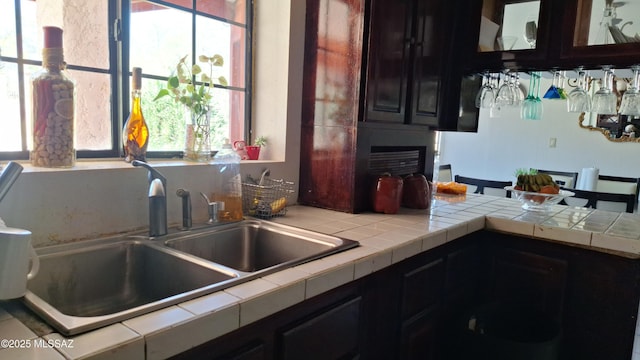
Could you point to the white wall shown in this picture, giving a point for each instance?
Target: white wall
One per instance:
(505, 144)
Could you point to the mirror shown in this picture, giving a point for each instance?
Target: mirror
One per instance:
(508, 25)
(626, 136)
(615, 127)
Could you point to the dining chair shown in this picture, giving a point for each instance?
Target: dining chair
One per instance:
(444, 173)
(563, 178)
(601, 200)
(618, 185)
(483, 186)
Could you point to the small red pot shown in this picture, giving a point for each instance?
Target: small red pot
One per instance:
(387, 194)
(253, 152)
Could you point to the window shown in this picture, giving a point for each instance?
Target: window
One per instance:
(105, 38)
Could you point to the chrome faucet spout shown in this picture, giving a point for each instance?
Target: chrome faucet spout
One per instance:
(157, 200)
(8, 176)
(153, 173)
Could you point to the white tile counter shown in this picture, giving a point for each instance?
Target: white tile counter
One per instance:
(384, 240)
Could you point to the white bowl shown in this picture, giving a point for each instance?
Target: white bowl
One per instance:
(535, 201)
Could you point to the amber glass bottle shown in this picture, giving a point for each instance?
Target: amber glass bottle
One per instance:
(135, 135)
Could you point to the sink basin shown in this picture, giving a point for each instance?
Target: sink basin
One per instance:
(90, 284)
(85, 288)
(256, 246)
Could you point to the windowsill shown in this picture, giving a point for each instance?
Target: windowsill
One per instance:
(113, 163)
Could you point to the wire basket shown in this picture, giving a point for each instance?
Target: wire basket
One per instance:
(267, 200)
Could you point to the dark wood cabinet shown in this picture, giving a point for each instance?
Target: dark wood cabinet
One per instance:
(252, 351)
(374, 84)
(566, 36)
(390, 53)
(522, 277)
(328, 326)
(332, 334)
(407, 47)
(490, 20)
(419, 308)
(577, 45)
(595, 295)
(336, 147)
(421, 301)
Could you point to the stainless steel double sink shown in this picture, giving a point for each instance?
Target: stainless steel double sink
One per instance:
(90, 284)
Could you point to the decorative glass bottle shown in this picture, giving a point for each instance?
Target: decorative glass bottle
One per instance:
(227, 183)
(53, 94)
(135, 134)
(197, 145)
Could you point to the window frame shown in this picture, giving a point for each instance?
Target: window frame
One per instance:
(119, 18)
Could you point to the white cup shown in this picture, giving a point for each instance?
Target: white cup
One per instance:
(16, 253)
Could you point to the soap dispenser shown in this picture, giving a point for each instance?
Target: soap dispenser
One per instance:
(227, 183)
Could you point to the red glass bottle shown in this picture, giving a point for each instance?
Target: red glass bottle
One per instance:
(53, 94)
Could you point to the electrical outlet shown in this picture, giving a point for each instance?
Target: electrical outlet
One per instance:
(552, 142)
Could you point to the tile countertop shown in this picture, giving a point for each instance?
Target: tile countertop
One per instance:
(384, 240)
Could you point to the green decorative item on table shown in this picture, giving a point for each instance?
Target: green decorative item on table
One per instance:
(191, 87)
(524, 171)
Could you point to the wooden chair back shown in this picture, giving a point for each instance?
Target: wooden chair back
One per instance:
(482, 184)
(618, 184)
(599, 200)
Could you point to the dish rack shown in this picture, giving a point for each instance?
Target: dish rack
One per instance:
(267, 200)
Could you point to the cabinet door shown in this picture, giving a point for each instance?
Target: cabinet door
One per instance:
(602, 307)
(419, 338)
(597, 30)
(421, 303)
(332, 334)
(388, 61)
(427, 59)
(522, 277)
(255, 351)
(510, 33)
(422, 288)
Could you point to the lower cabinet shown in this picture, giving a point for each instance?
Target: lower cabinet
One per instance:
(332, 334)
(419, 308)
(593, 295)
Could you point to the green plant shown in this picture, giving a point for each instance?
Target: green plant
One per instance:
(260, 141)
(523, 171)
(191, 87)
(186, 89)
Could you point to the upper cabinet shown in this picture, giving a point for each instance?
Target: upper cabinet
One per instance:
(546, 34)
(509, 33)
(600, 32)
(408, 44)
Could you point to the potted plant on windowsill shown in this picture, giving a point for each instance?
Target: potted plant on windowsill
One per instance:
(192, 87)
(253, 151)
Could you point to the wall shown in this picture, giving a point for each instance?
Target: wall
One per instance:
(505, 144)
(106, 197)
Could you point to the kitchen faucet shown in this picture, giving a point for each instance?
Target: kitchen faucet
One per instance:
(8, 176)
(157, 200)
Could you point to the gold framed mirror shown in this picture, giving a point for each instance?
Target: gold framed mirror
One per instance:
(611, 136)
(614, 127)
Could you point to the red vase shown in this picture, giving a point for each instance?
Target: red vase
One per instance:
(253, 152)
(415, 192)
(387, 194)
